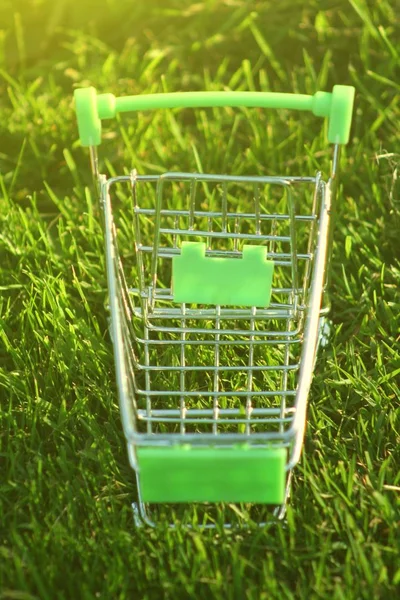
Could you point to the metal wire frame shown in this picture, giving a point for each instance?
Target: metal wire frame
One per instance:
(126, 340)
(288, 337)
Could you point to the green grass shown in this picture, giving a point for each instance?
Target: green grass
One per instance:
(66, 528)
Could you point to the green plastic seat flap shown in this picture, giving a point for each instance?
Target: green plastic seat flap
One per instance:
(198, 279)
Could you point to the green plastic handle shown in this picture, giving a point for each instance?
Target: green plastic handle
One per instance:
(337, 106)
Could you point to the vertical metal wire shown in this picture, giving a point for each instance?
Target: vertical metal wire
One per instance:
(272, 233)
(224, 206)
(216, 370)
(236, 230)
(250, 373)
(312, 232)
(257, 208)
(182, 406)
(94, 164)
(210, 228)
(285, 375)
(293, 240)
(147, 379)
(137, 232)
(175, 235)
(192, 203)
(333, 185)
(157, 224)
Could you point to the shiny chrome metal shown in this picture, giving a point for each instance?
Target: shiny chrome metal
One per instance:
(94, 162)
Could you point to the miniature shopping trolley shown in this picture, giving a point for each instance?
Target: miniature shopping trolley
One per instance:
(216, 286)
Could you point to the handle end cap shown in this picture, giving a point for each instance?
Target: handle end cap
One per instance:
(89, 123)
(341, 114)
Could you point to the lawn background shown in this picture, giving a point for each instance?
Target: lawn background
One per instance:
(66, 528)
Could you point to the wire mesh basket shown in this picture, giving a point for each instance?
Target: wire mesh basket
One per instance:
(216, 317)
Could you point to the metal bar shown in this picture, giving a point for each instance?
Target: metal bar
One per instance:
(216, 330)
(170, 252)
(177, 176)
(313, 231)
(182, 374)
(174, 232)
(211, 368)
(224, 208)
(293, 240)
(192, 204)
(210, 394)
(250, 375)
(285, 377)
(216, 373)
(257, 209)
(230, 215)
(223, 412)
(239, 343)
(147, 391)
(156, 234)
(311, 330)
(236, 232)
(333, 186)
(94, 164)
(216, 421)
(222, 234)
(125, 401)
(205, 313)
(137, 231)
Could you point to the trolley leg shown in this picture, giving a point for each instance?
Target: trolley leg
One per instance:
(140, 515)
(324, 335)
(280, 511)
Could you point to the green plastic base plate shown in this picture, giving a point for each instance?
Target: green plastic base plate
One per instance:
(197, 279)
(206, 474)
